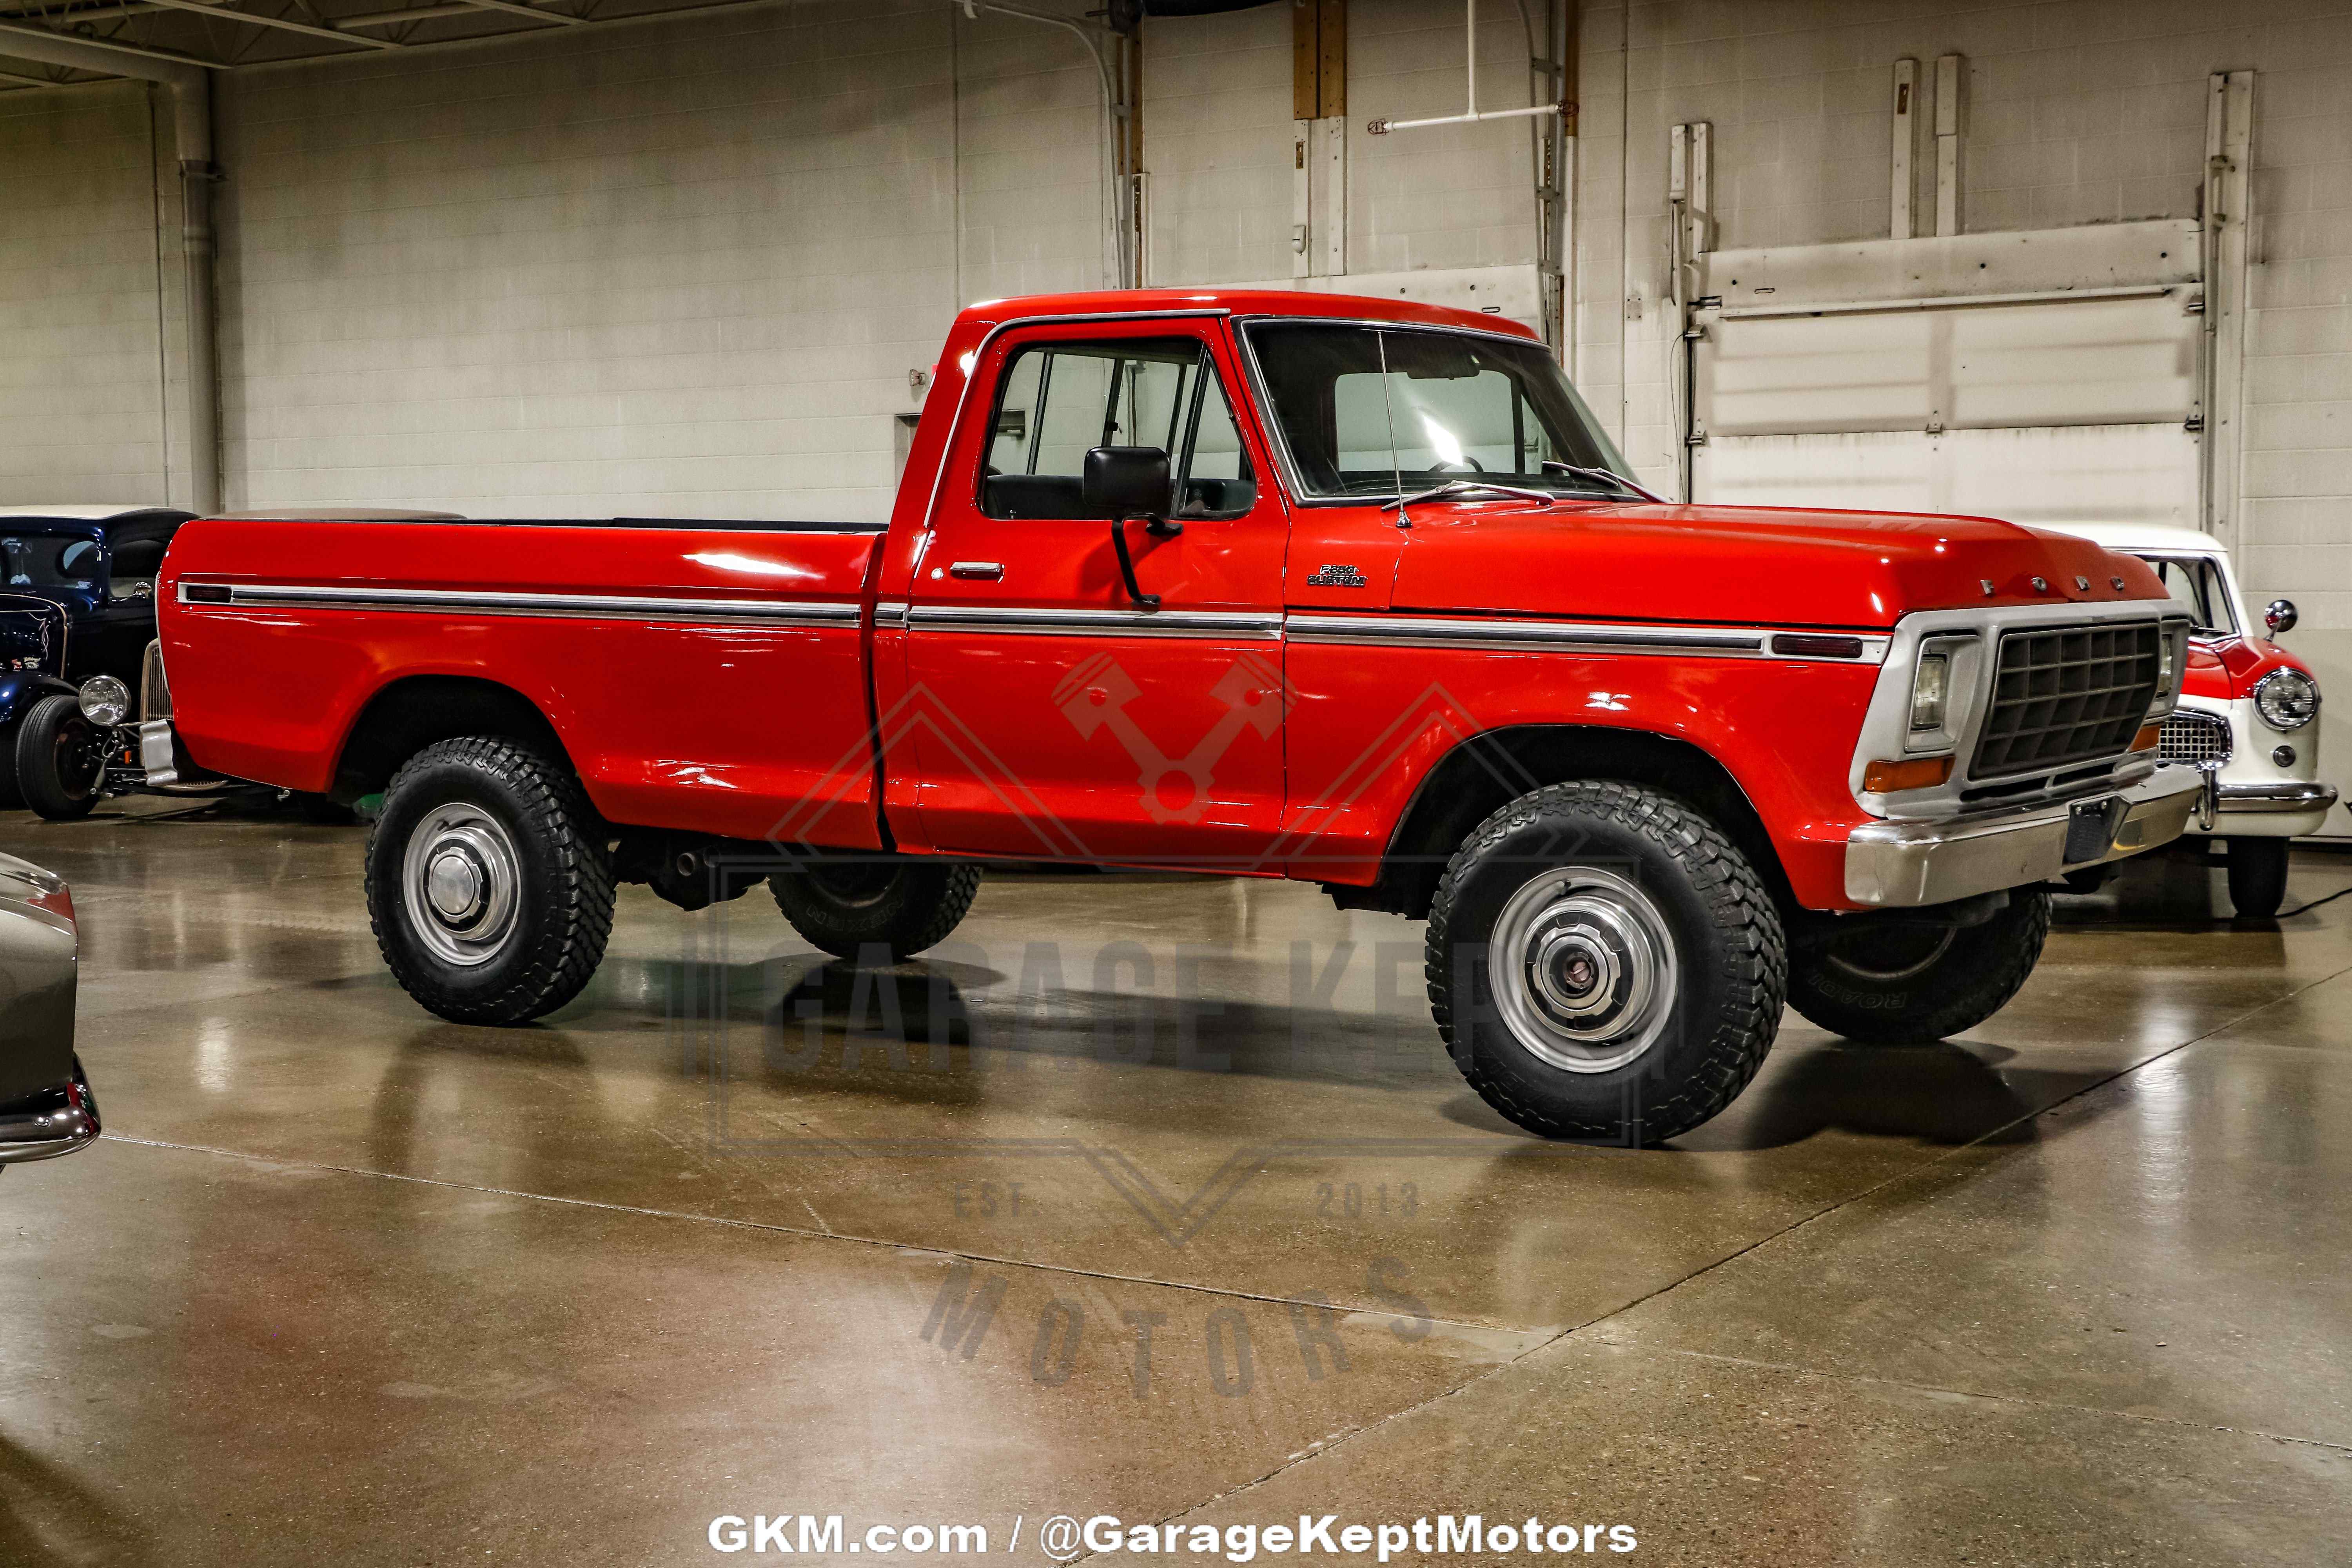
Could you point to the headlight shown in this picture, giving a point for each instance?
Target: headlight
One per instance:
(2286, 699)
(105, 701)
(1930, 687)
(2172, 669)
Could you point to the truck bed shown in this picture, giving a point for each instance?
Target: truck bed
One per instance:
(701, 675)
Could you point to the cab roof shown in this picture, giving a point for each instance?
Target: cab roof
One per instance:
(2141, 538)
(1307, 303)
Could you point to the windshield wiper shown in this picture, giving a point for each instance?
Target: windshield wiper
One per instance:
(1465, 487)
(1575, 471)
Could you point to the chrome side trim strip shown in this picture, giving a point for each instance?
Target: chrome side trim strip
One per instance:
(1562, 636)
(577, 606)
(1244, 623)
(891, 613)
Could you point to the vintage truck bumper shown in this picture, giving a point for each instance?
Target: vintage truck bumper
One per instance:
(1907, 863)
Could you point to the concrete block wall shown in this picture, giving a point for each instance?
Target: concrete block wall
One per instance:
(673, 269)
(82, 329)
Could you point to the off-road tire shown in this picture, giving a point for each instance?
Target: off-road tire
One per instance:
(849, 906)
(38, 736)
(2257, 877)
(1727, 942)
(1928, 988)
(564, 908)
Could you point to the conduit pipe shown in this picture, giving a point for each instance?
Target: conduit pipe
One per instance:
(192, 140)
(1473, 115)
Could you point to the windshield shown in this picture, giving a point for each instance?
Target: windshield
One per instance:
(48, 560)
(1392, 411)
(2197, 585)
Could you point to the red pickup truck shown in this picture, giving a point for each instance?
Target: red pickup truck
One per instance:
(1349, 591)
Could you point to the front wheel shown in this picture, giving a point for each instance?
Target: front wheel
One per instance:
(1603, 963)
(2257, 877)
(850, 904)
(1887, 982)
(60, 759)
(488, 884)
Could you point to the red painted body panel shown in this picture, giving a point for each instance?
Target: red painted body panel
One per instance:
(1744, 565)
(1368, 723)
(721, 729)
(1251, 753)
(2227, 667)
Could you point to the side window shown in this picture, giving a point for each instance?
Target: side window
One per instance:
(1058, 401)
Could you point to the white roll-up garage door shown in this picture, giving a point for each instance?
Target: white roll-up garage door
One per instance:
(2073, 402)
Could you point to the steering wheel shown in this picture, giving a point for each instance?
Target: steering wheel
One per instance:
(1473, 464)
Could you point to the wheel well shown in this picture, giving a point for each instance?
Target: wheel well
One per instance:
(1486, 771)
(409, 715)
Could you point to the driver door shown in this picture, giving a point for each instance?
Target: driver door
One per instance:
(1064, 720)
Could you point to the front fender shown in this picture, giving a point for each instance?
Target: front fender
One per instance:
(19, 690)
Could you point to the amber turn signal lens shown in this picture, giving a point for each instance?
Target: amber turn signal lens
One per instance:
(1919, 772)
(2149, 734)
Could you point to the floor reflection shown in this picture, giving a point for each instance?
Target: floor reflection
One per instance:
(49, 1520)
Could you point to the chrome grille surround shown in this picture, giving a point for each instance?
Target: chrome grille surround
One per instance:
(2064, 695)
(2195, 739)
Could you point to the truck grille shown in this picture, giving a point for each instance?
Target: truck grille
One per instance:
(2066, 696)
(154, 693)
(2198, 739)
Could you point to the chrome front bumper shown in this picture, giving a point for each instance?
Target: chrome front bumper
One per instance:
(2295, 794)
(1907, 863)
(56, 1121)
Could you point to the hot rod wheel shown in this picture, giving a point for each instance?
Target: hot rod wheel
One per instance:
(1604, 964)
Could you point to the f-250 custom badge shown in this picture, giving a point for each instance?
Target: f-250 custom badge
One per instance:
(1342, 575)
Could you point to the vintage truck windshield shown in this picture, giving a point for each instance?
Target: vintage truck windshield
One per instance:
(1382, 411)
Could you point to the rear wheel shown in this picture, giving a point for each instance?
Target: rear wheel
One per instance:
(1887, 982)
(60, 759)
(1604, 964)
(488, 884)
(2257, 877)
(900, 903)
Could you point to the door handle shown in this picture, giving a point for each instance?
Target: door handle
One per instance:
(981, 570)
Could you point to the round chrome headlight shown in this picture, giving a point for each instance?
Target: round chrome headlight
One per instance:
(105, 701)
(2286, 699)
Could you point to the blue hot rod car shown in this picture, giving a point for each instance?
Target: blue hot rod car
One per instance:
(77, 615)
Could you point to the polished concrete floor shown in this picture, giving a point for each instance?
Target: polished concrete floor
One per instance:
(742, 1234)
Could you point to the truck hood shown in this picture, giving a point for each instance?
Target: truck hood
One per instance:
(1747, 565)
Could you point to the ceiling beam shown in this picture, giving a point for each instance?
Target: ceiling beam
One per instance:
(449, 8)
(51, 40)
(212, 8)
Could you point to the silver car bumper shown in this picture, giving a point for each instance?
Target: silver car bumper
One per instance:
(46, 1125)
(1907, 863)
(2294, 795)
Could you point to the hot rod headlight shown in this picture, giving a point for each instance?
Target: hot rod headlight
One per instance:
(2286, 699)
(105, 701)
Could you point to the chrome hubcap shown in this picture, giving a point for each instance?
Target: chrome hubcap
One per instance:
(463, 883)
(1583, 969)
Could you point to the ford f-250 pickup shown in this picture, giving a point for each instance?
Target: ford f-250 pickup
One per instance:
(1349, 591)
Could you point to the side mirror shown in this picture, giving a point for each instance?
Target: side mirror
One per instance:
(1126, 482)
(2280, 616)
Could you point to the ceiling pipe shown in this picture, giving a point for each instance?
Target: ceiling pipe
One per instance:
(1470, 7)
(192, 142)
